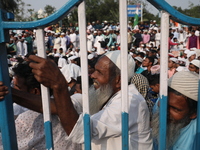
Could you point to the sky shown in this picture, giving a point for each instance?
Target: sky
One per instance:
(37, 4)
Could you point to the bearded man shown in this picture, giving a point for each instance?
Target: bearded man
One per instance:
(105, 128)
(182, 112)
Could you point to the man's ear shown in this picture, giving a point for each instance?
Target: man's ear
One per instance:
(193, 115)
(118, 81)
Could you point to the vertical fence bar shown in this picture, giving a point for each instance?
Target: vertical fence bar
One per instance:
(84, 74)
(124, 73)
(45, 93)
(7, 124)
(163, 78)
(198, 117)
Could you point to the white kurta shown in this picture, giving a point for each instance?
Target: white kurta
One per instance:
(21, 48)
(90, 40)
(157, 38)
(64, 44)
(57, 43)
(100, 50)
(106, 124)
(73, 38)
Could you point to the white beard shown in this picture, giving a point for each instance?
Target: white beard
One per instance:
(98, 97)
(173, 130)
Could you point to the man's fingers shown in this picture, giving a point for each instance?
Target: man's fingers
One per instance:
(35, 58)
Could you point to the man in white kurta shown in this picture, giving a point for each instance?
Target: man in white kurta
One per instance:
(73, 38)
(97, 44)
(63, 42)
(57, 42)
(106, 124)
(90, 40)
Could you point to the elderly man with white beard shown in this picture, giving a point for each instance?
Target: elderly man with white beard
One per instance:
(182, 112)
(106, 131)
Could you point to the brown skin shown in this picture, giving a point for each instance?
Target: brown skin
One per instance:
(147, 63)
(3, 90)
(193, 68)
(155, 88)
(178, 108)
(170, 64)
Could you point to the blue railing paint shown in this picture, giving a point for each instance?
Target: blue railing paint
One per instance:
(163, 122)
(87, 133)
(175, 15)
(125, 129)
(198, 120)
(48, 135)
(7, 124)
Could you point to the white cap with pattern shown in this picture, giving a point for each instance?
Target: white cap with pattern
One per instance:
(186, 83)
(115, 57)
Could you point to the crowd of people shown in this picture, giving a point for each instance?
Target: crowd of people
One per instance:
(63, 77)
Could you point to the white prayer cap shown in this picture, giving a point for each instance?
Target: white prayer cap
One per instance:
(139, 59)
(181, 68)
(115, 57)
(196, 63)
(72, 58)
(175, 60)
(154, 21)
(56, 33)
(155, 28)
(95, 31)
(155, 69)
(186, 83)
(186, 51)
(193, 49)
(57, 55)
(148, 45)
(90, 56)
(105, 21)
(191, 53)
(62, 33)
(131, 53)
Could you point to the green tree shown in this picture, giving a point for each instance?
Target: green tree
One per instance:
(48, 9)
(8, 5)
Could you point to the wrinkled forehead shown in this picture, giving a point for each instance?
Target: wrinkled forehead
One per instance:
(104, 61)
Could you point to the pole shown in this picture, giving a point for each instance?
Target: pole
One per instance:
(163, 79)
(84, 73)
(124, 73)
(45, 93)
